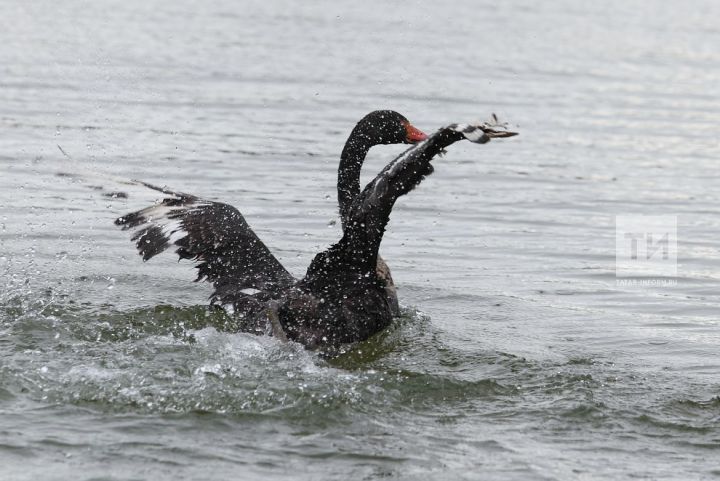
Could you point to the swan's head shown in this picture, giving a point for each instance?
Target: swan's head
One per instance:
(388, 127)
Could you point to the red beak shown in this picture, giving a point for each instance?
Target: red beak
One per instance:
(413, 134)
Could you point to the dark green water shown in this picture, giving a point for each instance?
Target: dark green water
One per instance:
(518, 356)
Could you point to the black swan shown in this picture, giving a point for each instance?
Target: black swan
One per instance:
(342, 298)
(378, 127)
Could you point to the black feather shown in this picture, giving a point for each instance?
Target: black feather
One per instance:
(215, 235)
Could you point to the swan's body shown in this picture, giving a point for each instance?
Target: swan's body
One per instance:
(343, 297)
(379, 127)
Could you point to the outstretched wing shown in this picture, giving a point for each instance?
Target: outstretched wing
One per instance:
(370, 212)
(409, 169)
(215, 235)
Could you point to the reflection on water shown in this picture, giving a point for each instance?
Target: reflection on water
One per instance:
(519, 356)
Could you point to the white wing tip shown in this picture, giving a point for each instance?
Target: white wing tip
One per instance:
(482, 132)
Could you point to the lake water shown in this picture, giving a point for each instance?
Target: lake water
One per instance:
(519, 356)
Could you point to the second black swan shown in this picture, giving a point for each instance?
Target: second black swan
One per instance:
(346, 294)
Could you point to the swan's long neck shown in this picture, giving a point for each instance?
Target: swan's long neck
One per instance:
(351, 162)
